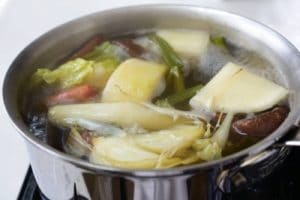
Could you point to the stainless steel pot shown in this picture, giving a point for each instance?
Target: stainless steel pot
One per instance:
(61, 176)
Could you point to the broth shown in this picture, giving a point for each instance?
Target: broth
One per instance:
(130, 101)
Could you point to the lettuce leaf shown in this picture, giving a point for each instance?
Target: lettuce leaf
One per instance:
(67, 75)
(95, 67)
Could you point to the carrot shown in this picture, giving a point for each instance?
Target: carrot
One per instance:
(72, 95)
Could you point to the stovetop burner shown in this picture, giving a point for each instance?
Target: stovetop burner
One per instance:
(282, 184)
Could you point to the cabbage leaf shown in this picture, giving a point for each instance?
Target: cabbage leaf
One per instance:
(211, 148)
(67, 75)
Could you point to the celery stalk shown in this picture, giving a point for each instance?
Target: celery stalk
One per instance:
(175, 77)
(175, 80)
(219, 42)
(179, 97)
(168, 53)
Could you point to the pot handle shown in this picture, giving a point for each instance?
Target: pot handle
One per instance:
(262, 163)
(293, 139)
(246, 172)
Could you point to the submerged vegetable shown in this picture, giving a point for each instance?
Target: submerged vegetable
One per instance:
(67, 75)
(211, 148)
(178, 113)
(219, 42)
(221, 135)
(132, 48)
(129, 155)
(101, 72)
(207, 149)
(174, 139)
(135, 80)
(179, 97)
(87, 46)
(123, 114)
(124, 97)
(161, 149)
(121, 152)
(72, 95)
(168, 54)
(175, 79)
(262, 124)
(102, 52)
(97, 128)
(76, 145)
(186, 42)
(234, 89)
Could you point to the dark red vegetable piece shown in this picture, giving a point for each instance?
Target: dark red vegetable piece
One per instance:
(86, 136)
(216, 117)
(88, 46)
(72, 95)
(133, 49)
(262, 124)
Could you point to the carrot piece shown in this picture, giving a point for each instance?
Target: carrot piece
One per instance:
(71, 95)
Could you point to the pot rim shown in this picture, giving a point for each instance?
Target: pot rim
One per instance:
(254, 149)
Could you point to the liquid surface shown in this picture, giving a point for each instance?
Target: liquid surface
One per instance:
(126, 102)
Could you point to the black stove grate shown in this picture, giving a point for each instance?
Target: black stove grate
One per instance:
(29, 188)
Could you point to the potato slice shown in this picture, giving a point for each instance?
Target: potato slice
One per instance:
(186, 42)
(234, 89)
(122, 114)
(100, 75)
(135, 80)
(178, 138)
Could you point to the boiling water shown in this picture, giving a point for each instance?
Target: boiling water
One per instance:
(215, 58)
(201, 70)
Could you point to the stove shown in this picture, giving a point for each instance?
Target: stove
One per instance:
(282, 184)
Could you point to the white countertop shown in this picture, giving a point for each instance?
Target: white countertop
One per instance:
(23, 21)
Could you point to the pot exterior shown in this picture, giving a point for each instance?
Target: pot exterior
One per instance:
(58, 179)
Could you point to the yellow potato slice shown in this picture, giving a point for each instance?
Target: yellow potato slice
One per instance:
(236, 90)
(100, 75)
(135, 80)
(186, 42)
